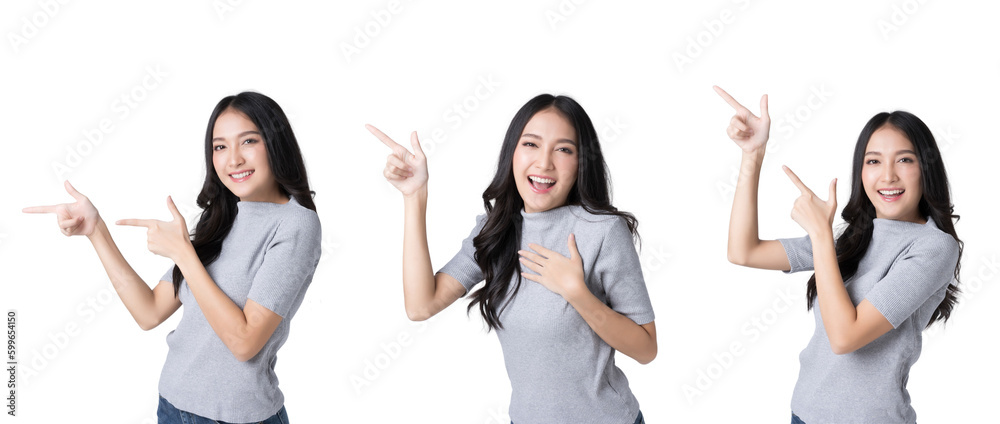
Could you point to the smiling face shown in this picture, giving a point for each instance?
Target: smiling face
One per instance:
(240, 159)
(891, 176)
(545, 161)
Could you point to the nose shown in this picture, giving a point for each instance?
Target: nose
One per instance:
(235, 158)
(889, 172)
(545, 160)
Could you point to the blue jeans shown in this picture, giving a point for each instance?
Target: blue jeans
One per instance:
(638, 419)
(796, 419)
(168, 414)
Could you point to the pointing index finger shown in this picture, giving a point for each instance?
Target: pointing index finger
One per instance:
(384, 138)
(729, 99)
(40, 209)
(137, 222)
(795, 180)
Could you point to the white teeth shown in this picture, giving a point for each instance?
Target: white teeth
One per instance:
(890, 192)
(241, 174)
(541, 180)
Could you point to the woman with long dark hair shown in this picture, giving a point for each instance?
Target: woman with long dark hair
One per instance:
(878, 284)
(241, 277)
(563, 283)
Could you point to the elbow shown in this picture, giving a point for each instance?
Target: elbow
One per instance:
(842, 347)
(648, 356)
(147, 324)
(418, 314)
(735, 257)
(243, 352)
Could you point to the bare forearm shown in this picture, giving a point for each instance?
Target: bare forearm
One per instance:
(418, 276)
(743, 234)
(134, 293)
(835, 305)
(617, 330)
(226, 318)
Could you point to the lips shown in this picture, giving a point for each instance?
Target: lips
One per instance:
(541, 184)
(891, 194)
(241, 176)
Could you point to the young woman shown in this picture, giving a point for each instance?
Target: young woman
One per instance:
(875, 287)
(563, 285)
(241, 277)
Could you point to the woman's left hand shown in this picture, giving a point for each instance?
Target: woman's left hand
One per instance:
(167, 239)
(812, 213)
(559, 274)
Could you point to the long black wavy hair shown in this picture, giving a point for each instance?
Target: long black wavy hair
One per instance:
(217, 202)
(498, 242)
(859, 212)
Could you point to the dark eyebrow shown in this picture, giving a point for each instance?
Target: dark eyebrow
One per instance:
(898, 153)
(241, 135)
(536, 137)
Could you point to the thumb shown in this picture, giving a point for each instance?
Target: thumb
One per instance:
(832, 200)
(763, 108)
(72, 191)
(571, 243)
(415, 142)
(173, 209)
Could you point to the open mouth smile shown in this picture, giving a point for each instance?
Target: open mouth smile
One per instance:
(540, 184)
(891, 194)
(240, 177)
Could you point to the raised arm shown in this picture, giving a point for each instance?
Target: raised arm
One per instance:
(848, 328)
(149, 307)
(424, 293)
(243, 331)
(750, 133)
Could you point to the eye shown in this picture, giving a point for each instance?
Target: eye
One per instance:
(218, 147)
(907, 160)
(250, 140)
(565, 150)
(871, 162)
(529, 144)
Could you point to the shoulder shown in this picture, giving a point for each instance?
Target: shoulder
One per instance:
(595, 219)
(931, 238)
(610, 226)
(298, 219)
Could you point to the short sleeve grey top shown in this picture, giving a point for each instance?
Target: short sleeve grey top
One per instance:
(560, 370)
(904, 275)
(269, 256)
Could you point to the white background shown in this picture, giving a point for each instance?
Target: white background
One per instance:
(66, 67)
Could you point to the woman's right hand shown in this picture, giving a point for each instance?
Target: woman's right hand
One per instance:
(75, 219)
(405, 171)
(746, 129)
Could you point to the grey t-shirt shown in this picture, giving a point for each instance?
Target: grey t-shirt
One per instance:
(560, 370)
(904, 274)
(269, 256)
